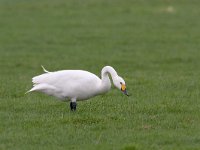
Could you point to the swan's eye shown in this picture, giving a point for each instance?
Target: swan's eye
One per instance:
(120, 82)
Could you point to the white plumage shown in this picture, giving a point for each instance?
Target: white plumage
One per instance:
(76, 84)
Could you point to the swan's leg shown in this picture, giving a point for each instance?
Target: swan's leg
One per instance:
(73, 104)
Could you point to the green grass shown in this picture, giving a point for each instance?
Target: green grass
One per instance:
(153, 44)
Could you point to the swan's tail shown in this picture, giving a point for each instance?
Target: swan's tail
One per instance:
(45, 88)
(31, 90)
(36, 83)
(27, 92)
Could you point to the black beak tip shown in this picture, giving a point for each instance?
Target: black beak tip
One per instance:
(125, 92)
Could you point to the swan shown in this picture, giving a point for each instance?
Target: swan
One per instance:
(76, 85)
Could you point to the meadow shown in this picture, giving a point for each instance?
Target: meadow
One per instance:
(152, 44)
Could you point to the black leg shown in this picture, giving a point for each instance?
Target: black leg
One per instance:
(73, 106)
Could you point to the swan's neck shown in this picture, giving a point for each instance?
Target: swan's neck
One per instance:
(105, 80)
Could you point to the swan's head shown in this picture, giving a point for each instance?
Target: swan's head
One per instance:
(120, 84)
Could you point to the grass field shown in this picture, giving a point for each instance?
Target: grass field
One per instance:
(153, 45)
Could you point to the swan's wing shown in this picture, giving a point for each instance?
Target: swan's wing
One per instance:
(67, 83)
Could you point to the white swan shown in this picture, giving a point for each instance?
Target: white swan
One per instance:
(76, 85)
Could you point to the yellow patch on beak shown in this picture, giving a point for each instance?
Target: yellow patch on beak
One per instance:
(123, 87)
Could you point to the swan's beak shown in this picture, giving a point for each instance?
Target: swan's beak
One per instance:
(123, 89)
(125, 92)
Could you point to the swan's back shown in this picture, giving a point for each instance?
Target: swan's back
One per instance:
(63, 75)
(67, 84)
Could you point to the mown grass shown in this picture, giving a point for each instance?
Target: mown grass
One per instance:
(153, 44)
